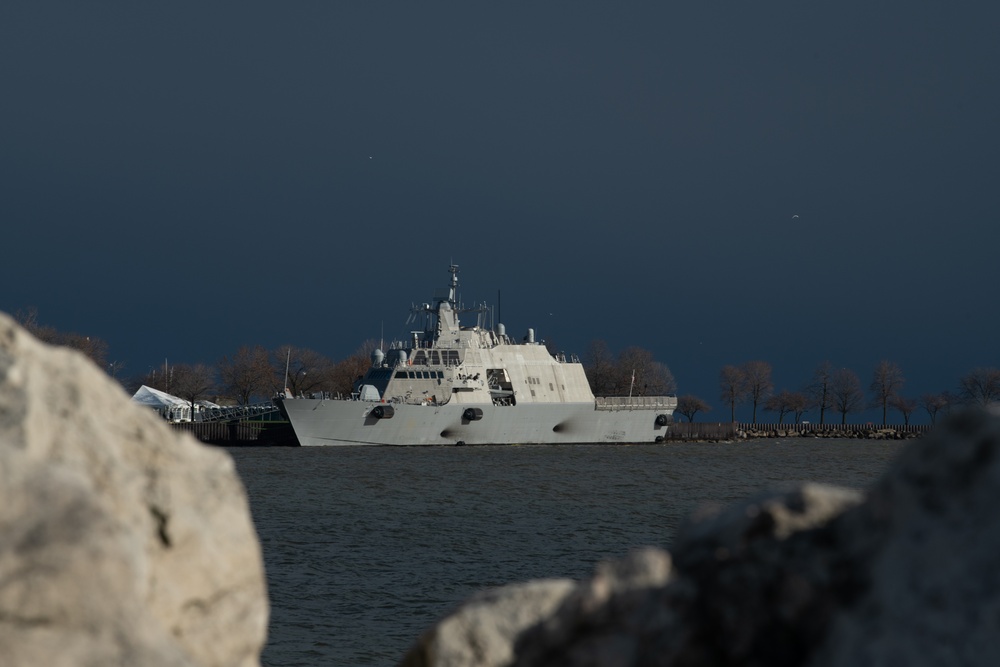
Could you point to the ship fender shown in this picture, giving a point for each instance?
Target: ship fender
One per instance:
(472, 414)
(382, 412)
(662, 420)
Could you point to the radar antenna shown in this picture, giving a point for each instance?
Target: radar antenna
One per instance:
(453, 289)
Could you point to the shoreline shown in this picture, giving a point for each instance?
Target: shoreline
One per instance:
(852, 431)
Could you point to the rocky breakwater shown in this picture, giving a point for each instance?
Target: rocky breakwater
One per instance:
(121, 542)
(905, 573)
(863, 431)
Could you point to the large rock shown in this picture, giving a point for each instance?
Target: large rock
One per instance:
(907, 573)
(122, 542)
(483, 630)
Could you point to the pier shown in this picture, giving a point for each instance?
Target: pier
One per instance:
(241, 433)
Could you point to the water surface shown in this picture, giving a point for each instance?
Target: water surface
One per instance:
(365, 547)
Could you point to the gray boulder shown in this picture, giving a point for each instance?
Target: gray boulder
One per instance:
(907, 573)
(122, 542)
(483, 630)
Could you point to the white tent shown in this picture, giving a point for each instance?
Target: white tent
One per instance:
(155, 398)
(170, 407)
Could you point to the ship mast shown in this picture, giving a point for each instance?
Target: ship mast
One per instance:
(453, 289)
(441, 318)
(447, 309)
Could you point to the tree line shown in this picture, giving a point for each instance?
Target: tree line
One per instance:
(255, 373)
(632, 372)
(839, 391)
(251, 373)
(93, 347)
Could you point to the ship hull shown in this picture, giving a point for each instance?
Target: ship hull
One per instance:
(319, 422)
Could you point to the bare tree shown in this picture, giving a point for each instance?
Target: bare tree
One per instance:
(778, 403)
(785, 402)
(800, 405)
(248, 373)
(732, 387)
(905, 406)
(115, 369)
(157, 378)
(91, 346)
(301, 370)
(757, 376)
(634, 372)
(347, 371)
(818, 390)
(933, 403)
(600, 367)
(980, 386)
(29, 320)
(950, 401)
(845, 392)
(886, 383)
(623, 375)
(689, 406)
(192, 382)
(641, 375)
(659, 381)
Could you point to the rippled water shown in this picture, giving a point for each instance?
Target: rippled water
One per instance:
(365, 547)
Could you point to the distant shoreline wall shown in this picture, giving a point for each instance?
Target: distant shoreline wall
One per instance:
(700, 431)
(718, 431)
(865, 431)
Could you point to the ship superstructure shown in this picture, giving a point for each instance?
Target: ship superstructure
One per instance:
(454, 384)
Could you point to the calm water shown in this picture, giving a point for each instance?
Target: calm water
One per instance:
(366, 547)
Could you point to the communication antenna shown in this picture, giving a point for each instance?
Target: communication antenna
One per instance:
(288, 358)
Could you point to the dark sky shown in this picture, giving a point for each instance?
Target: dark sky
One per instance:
(185, 178)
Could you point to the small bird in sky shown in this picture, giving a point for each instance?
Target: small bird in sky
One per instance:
(795, 216)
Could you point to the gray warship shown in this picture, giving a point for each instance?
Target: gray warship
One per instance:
(473, 385)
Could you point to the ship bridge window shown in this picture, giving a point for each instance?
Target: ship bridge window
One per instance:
(419, 375)
(451, 357)
(420, 357)
(435, 359)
